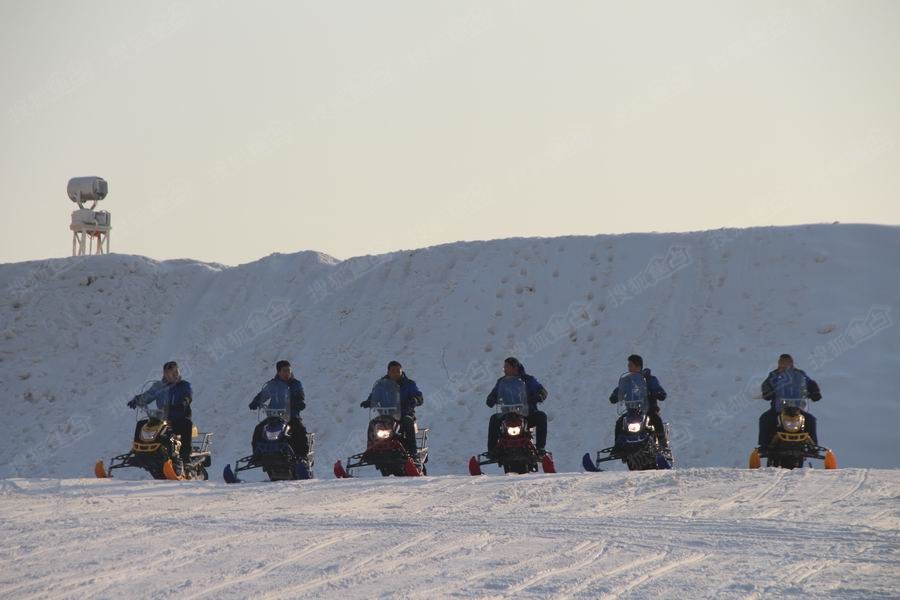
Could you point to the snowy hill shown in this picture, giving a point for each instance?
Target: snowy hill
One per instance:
(709, 311)
(692, 533)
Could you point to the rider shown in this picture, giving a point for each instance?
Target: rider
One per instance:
(768, 421)
(410, 398)
(536, 393)
(284, 385)
(655, 395)
(173, 395)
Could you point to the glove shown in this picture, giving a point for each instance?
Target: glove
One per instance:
(419, 400)
(301, 406)
(365, 404)
(491, 402)
(133, 402)
(254, 405)
(815, 397)
(613, 399)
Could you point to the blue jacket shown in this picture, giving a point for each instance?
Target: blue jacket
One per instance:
(655, 391)
(177, 396)
(536, 392)
(277, 393)
(410, 396)
(768, 388)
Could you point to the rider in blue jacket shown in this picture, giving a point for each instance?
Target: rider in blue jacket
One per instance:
(655, 395)
(173, 395)
(285, 386)
(768, 421)
(536, 393)
(410, 398)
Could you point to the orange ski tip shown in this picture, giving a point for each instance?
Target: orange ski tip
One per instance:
(169, 471)
(830, 460)
(99, 470)
(755, 461)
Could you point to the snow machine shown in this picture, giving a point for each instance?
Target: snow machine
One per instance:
(515, 451)
(386, 450)
(636, 442)
(273, 451)
(156, 449)
(792, 442)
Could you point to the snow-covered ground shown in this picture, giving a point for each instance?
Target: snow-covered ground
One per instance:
(710, 312)
(693, 533)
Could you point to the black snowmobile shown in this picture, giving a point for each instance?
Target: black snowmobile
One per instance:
(515, 451)
(792, 444)
(272, 449)
(636, 441)
(156, 449)
(385, 449)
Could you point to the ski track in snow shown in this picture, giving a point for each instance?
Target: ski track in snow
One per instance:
(604, 535)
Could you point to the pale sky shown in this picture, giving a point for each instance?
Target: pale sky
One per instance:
(230, 130)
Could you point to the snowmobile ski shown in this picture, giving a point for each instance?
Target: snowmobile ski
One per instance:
(99, 470)
(588, 464)
(474, 466)
(169, 471)
(662, 462)
(411, 469)
(755, 460)
(229, 476)
(301, 470)
(340, 472)
(547, 463)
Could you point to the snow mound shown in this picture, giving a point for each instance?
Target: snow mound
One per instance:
(709, 311)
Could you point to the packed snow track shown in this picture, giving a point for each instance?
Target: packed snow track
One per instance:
(694, 533)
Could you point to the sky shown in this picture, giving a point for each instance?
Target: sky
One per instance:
(231, 130)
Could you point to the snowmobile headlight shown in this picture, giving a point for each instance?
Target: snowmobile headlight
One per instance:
(793, 425)
(514, 430)
(634, 427)
(272, 435)
(382, 434)
(148, 434)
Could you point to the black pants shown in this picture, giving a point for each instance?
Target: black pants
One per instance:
(297, 439)
(768, 423)
(535, 418)
(185, 428)
(407, 431)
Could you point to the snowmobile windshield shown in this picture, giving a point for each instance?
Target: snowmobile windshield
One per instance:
(386, 398)
(633, 392)
(799, 403)
(276, 397)
(512, 395)
(156, 400)
(790, 389)
(789, 384)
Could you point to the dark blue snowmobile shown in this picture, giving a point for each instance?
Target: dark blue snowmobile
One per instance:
(636, 442)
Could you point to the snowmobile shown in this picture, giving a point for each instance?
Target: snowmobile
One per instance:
(515, 451)
(156, 449)
(792, 443)
(385, 449)
(636, 442)
(272, 449)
